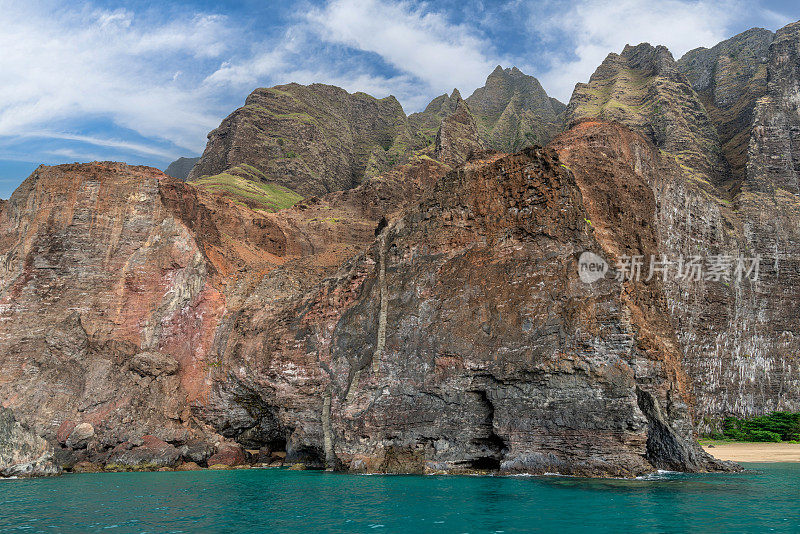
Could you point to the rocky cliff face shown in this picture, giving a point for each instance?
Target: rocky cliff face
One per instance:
(117, 281)
(766, 357)
(737, 337)
(435, 350)
(457, 137)
(310, 139)
(98, 275)
(773, 149)
(417, 354)
(339, 285)
(22, 452)
(729, 78)
(513, 111)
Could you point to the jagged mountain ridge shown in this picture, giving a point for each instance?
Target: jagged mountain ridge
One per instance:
(643, 88)
(311, 139)
(729, 78)
(513, 111)
(299, 137)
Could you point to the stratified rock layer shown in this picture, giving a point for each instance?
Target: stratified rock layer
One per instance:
(738, 338)
(729, 78)
(117, 280)
(95, 274)
(437, 349)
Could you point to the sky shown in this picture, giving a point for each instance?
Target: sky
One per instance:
(145, 81)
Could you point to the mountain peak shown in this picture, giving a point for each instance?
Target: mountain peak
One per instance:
(514, 111)
(679, 124)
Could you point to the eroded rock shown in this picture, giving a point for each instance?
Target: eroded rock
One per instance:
(154, 364)
(153, 453)
(80, 436)
(23, 453)
(228, 454)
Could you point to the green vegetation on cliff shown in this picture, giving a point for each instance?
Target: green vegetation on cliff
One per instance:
(643, 88)
(252, 193)
(729, 78)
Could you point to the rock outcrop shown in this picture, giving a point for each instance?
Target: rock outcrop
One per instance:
(99, 281)
(729, 78)
(418, 353)
(339, 285)
(117, 281)
(737, 337)
(466, 363)
(436, 350)
(457, 137)
(22, 452)
(644, 89)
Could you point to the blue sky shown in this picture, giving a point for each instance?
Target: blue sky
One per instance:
(144, 81)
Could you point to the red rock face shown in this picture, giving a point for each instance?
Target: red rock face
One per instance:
(425, 320)
(230, 455)
(459, 338)
(95, 270)
(120, 285)
(455, 335)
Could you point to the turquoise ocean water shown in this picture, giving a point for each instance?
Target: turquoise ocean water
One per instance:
(766, 498)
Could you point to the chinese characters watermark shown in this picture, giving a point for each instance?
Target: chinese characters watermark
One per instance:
(722, 268)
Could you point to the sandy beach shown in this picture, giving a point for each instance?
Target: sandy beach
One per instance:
(754, 452)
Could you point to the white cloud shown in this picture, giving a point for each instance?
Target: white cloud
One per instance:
(62, 66)
(429, 54)
(590, 29)
(411, 39)
(67, 154)
(103, 142)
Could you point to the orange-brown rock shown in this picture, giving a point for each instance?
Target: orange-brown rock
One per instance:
(432, 318)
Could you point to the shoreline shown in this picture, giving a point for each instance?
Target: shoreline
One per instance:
(736, 451)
